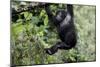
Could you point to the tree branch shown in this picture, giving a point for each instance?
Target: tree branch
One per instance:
(28, 8)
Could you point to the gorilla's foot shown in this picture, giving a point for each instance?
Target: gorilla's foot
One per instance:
(50, 51)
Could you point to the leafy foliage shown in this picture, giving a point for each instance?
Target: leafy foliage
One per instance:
(31, 34)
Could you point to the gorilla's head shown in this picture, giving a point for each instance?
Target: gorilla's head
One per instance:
(60, 15)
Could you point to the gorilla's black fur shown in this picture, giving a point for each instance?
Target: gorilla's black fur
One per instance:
(63, 20)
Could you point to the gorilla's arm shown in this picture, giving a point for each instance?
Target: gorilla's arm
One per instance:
(70, 10)
(51, 17)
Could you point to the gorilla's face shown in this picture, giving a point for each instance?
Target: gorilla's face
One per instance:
(60, 15)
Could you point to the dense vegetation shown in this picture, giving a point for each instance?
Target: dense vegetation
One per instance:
(32, 32)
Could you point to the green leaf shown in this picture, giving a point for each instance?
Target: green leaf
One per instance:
(46, 21)
(35, 20)
(27, 15)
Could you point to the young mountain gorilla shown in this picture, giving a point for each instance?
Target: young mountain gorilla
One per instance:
(63, 20)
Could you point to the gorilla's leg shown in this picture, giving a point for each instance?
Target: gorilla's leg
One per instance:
(54, 49)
